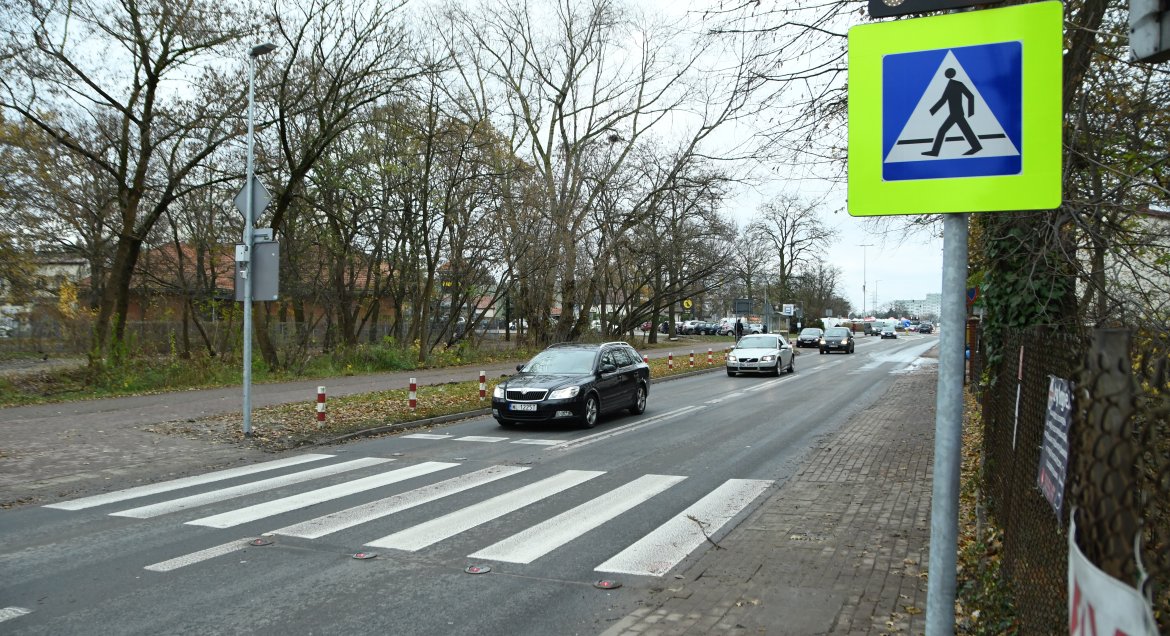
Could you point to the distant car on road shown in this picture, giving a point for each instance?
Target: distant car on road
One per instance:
(760, 353)
(837, 339)
(925, 327)
(574, 382)
(889, 332)
(809, 337)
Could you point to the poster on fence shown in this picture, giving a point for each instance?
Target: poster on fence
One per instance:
(1054, 452)
(1100, 605)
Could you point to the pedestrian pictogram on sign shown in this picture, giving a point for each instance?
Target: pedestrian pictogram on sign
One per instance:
(952, 112)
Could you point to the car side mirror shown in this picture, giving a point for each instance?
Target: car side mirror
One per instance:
(520, 367)
(608, 368)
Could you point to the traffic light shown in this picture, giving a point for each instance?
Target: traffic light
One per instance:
(1149, 30)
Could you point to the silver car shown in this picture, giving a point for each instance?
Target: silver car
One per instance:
(760, 353)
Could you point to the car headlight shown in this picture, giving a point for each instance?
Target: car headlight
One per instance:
(767, 358)
(498, 392)
(731, 358)
(822, 341)
(565, 393)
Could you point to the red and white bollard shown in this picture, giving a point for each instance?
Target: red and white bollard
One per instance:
(708, 356)
(670, 361)
(413, 396)
(482, 385)
(645, 358)
(692, 358)
(320, 405)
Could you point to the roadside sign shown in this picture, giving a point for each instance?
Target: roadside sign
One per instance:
(260, 199)
(889, 8)
(956, 113)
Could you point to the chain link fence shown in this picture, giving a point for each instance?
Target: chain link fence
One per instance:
(1118, 481)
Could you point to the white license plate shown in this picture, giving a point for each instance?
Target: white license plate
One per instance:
(522, 407)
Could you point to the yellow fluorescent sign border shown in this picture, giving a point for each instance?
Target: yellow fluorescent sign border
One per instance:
(1039, 26)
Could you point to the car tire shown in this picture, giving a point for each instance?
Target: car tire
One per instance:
(592, 410)
(823, 352)
(639, 405)
(730, 373)
(792, 365)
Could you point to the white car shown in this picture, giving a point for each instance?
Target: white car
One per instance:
(760, 353)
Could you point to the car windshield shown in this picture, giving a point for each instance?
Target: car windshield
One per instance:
(758, 342)
(837, 332)
(569, 361)
(811, 332)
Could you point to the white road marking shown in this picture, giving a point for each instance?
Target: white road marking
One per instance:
(763, 385)
(901, 357)
(480, 438)
(597, 437)
(538, 442)
(175, 505)
(304, 500)
(196, 557)
(328, 524)
(535, 542)
(658, 552)
(426, 436)
(436, 530)
(9, 613)
(176, 484)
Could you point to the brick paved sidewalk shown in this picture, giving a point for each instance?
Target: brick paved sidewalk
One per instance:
(840, 548)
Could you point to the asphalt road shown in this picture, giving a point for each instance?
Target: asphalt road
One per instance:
(550, 511)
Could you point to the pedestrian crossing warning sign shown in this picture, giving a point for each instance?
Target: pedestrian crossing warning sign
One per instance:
(966, 123)
(956, 113)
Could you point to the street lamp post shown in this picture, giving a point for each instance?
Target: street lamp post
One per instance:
(863, 246)
(249, 218)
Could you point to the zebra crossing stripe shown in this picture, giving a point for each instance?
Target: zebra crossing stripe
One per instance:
(658, 552)
(480, 438)
(9, 613)
(328, 524)
(175, 505)
(196, 557)
(447, 526)
(304, 500)
(426, 436)
(537, 442)
(535, 542)
(176, 484)
(621, 430)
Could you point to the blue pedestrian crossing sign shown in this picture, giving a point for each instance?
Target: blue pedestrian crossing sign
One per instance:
(967, 120)
(956, 113)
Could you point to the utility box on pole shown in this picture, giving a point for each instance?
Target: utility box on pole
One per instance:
(264, 268)
(1149, 30)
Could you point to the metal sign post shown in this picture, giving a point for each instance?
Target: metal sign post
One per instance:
(941, 120)
(250, 210)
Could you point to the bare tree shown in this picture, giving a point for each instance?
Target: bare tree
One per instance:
(794, 235)
(119, 111)
(569, 87)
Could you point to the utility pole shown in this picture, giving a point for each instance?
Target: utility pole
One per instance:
(249, 239)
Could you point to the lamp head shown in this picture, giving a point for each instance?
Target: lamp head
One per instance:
(261, 49)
